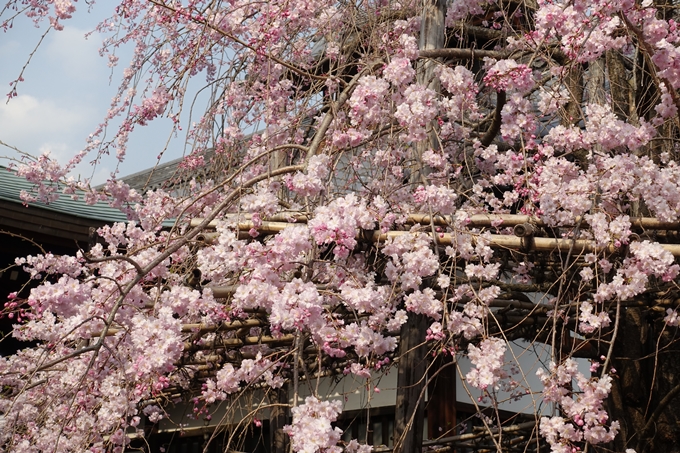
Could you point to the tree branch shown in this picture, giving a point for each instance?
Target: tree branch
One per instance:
(463, 54)
(495, 127)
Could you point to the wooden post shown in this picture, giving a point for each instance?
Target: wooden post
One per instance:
(278, 417)
(411, 379)
(410, 407)
(441, 404)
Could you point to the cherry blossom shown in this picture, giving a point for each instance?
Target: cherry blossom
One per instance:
(488, 359)
(345, 180)
(311, 430)
(585, 418)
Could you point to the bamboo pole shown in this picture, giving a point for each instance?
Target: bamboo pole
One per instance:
(536, 244)
(472, 221)
(231, 343)
(202, 328)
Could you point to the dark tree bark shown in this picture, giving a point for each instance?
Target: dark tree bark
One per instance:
(645, 396)
(619, 87)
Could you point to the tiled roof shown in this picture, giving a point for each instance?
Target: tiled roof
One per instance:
(154, 178)
(167, 176)
(11, 186)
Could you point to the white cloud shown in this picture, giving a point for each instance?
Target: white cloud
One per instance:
(65, 96)
(76, 57)
(35, 126)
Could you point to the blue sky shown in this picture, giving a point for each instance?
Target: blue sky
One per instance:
(67, 90)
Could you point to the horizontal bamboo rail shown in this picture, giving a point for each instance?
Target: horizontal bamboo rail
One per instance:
(527, 243)
(201, 328)
(231, 343)
(473, 221)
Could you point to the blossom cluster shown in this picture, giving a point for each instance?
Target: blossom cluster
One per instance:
(411, 260)
(311, 430)
(228, 379)
(312, 183)
(488, 359)
(582, 401)
(506, 75)
(338, 223)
